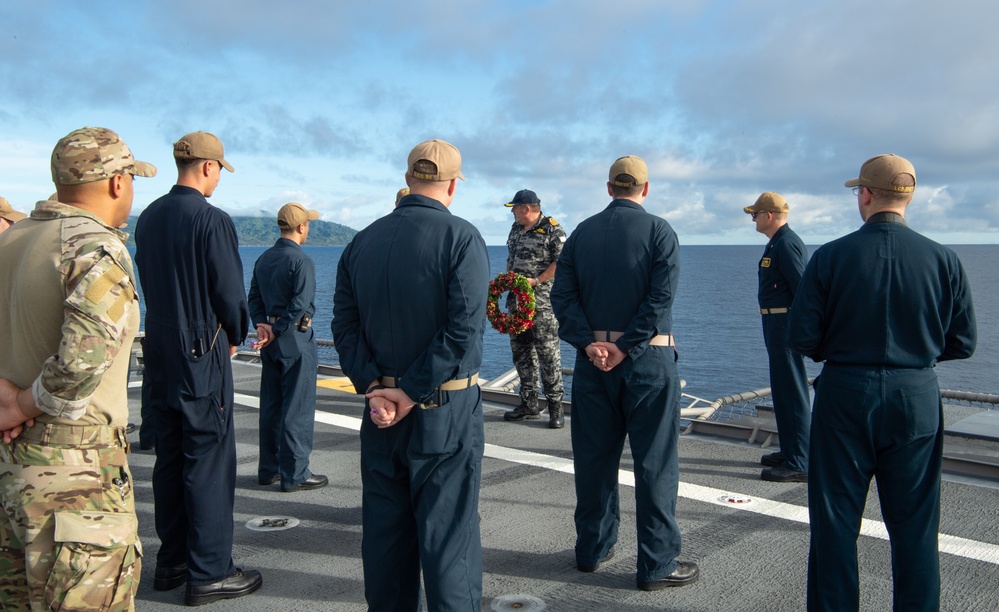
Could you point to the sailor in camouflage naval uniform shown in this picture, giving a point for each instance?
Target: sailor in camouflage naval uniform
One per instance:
(533, 247)
(68, 536)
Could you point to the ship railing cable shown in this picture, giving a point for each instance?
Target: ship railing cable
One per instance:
(695, 408)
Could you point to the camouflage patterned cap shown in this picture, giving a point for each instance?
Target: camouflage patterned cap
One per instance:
(92, 154)
(7, 212)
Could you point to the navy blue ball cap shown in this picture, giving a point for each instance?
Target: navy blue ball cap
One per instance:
(524, 196)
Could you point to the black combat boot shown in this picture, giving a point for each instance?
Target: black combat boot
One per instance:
(521, 413)
(556, 420)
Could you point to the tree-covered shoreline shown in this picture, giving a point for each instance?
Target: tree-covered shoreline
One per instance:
(261, 231)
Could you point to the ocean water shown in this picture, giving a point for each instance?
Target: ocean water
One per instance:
(715, 319)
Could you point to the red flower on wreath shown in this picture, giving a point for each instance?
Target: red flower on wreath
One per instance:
(522, 319)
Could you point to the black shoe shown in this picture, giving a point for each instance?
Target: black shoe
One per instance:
(146, 446)
(129, 428)
(783, 474)
(556, 420)
(773, 459)
(589, 569)
(168, 578)
(266, 482)
(685, 573)
(521, 413)
(315, 481)
(239, 584)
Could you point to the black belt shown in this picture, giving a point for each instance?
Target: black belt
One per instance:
(273, 320)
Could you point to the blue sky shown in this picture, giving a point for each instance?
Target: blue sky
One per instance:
(319, 102)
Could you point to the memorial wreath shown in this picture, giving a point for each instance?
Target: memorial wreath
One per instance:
(522, 318)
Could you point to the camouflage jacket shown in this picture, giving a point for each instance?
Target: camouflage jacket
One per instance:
(531, 252)
(71, 307)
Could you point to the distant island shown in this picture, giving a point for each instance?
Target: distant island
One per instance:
(263, 231)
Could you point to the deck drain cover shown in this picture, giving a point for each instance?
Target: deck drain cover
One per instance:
(272, 523)
(519, 603)
(735, 500)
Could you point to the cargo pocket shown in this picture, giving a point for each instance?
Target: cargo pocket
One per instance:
(201, 366)
(97, 561)
(434, 434)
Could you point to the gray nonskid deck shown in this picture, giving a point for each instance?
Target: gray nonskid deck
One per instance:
(749, 561)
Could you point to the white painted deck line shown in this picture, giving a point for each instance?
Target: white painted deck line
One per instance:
(953, 545)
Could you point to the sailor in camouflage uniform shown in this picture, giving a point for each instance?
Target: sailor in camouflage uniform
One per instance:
(68, 539)
(533, 247)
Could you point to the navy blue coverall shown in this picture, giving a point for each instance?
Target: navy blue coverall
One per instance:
(192, 282)
(780, 272)
(410, 303)
(880, 307)
(618, 272)
(283, 290)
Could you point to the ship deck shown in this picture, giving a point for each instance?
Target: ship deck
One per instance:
(749, 537)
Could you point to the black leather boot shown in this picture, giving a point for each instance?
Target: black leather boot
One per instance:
(556, 420)
(521, 413)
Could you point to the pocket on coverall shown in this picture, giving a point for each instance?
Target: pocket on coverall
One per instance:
(434, 434)
(97, 561)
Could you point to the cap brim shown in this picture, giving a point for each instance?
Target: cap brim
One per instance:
(14, 216)
(313, 215)
(144, 169)
(748, 210)
(226, 165)
(853, 183)
(509, 205)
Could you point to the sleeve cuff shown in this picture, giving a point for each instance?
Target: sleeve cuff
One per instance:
(54, 406)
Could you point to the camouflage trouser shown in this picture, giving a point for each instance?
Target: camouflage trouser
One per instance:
(68, 540)
(539, 344)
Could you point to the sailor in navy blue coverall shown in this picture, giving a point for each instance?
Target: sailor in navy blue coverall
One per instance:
(880, 307)
(615, 283)
(282, 295)
(408, 318)
(196, 315)
(780, 271)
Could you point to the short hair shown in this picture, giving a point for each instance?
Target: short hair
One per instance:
(628, 191)
(889, 196)
(418, 181)
(185, 164)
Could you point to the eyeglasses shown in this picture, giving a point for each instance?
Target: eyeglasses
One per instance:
(856, 190)
(755, 214)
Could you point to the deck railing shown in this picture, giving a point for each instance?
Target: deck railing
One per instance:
(503, 388)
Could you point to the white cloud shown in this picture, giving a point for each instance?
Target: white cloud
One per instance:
(724, 101)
